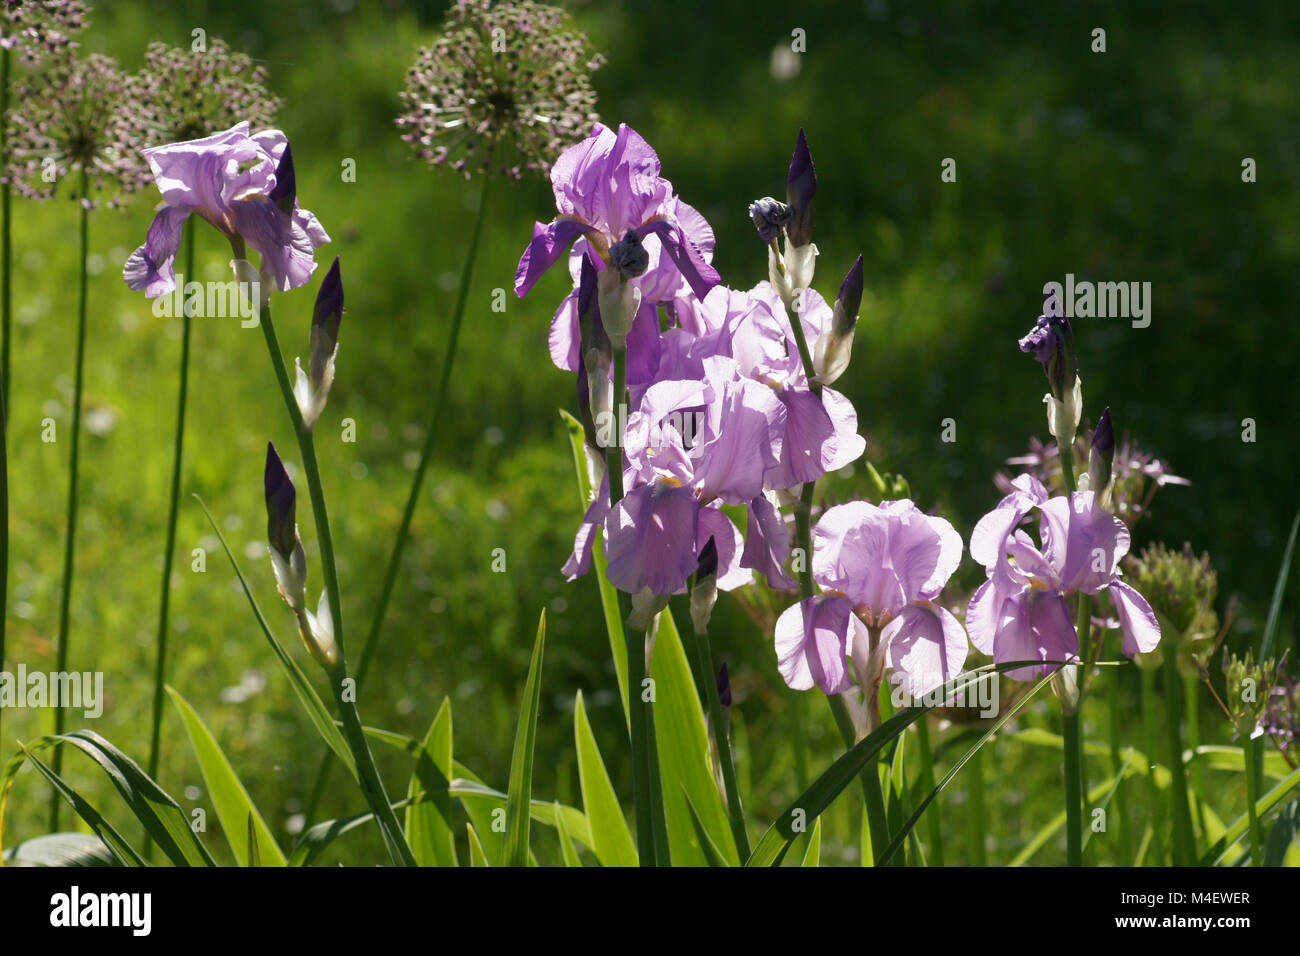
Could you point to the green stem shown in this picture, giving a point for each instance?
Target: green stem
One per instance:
(1066, 455)
(65, 598)
(1119, 802)
(1184, 838)
(372, 785)
(1254, 759)
(417, 483)
(1149, 741)
(160, 662)
(1191, 703)
(6, 244)
(736, 813)
(976, 814)
(1083, 624)
(932, 821)
(1073, 795)
(639, 725)
(6, 249)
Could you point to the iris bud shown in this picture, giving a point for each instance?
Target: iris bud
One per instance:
(770, 217)
(801, 186)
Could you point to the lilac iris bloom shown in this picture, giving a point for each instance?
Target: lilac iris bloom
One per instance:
(244, 186)
(690, 446)
(881, 570)
(609, 185)
(1020, 612)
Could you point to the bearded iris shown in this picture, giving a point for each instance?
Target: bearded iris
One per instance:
(881, 569)
(243, 186)
(1020, 612)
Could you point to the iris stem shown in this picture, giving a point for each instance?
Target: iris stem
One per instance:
(69, 550)
(372, 784)
(1191, 703)
(735, 812)
(1254, 760)
(417, 483)
(1184, 838)
(1119, 801)
(932, 821)
(976, 812)
(160, 663)
(647, 807)
(1149, 740)
(1073, 796)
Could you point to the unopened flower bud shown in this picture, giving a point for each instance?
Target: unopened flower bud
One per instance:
(770, 217)
(704, 590)
(724, 686)
(285, 193)
(619, 301)
(801, 186)
(629, 256)
(311, 390)
(1101, 454)
(836, 345)
(287, 555)
(317, 632)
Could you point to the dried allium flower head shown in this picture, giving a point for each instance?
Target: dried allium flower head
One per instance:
(1182, 588)
(40, 27)
(1135, 474)
(186, 94)
(504, 89)
(72, 114)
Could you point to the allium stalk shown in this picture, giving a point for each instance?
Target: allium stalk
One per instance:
(69, 549)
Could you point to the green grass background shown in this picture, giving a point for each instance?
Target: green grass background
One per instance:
(1117, 166)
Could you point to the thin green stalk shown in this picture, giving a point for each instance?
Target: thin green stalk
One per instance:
(1157, 853)
(160, 662)
(976, 813)
(65, 598)
(1066, 455)
(797, 738)
(932, 821)
(1083, 624)
(1119, 801)
(6, 244)
(372, 784)
(1254, 760)
(1184, 848)
(417, 483)
(1073, 796)
(1192, 704)
(6, 328)
(735, 813)
(639, 729)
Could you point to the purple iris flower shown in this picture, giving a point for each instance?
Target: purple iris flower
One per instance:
(242, 185)
(609, 185)
(881, 570)
(1020, 612)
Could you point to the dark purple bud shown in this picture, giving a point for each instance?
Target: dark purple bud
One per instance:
(629, 256)
(591, 329)
(770, 217)
(724, 686)
(285, 192)
(708, 566)
(1052, 342)
(1101, 454)
(329, 305)
(800, 188)
(849, 300)
(281, 498)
